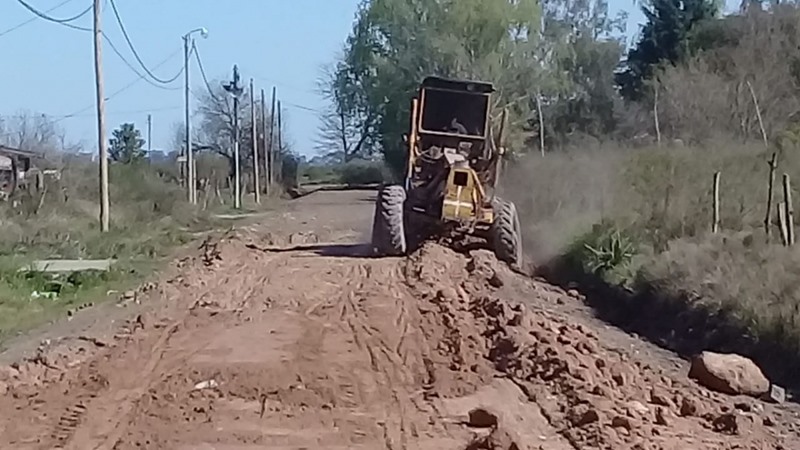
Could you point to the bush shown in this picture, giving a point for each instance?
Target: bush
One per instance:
(364, 172)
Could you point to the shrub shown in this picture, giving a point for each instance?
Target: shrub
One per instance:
(364, 172)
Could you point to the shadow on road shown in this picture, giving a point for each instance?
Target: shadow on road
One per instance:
(331, 250)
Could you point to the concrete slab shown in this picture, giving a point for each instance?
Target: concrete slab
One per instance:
(69, 265)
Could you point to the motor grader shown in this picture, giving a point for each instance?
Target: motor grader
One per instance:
(453, 167)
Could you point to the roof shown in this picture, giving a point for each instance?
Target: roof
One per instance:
(17, 152)
(458, 85)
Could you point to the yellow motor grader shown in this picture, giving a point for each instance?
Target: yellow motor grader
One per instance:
(453, 169)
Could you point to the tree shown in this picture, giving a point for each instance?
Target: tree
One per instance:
(665, 39)
(347, 127)
(216, 130)
(126, 146)
(396, 43)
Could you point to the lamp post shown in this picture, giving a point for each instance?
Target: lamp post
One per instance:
(190, 183)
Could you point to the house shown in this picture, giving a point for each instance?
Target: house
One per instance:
(16, 167)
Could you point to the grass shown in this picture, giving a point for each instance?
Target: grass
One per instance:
(149, 220)
(641, 219)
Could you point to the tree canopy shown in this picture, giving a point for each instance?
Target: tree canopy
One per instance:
(699, 71)
(126, 145)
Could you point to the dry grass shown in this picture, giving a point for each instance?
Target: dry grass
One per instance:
(659, 202)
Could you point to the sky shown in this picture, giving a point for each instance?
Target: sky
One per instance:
(48, 68)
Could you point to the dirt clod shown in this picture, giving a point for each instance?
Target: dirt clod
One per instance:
(482, 418)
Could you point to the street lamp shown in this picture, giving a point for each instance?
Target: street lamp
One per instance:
(190, 183)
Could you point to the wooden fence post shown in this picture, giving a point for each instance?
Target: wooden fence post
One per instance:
(715, 219)
(773, 165)
(787, 200)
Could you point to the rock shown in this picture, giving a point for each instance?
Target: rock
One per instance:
(726, 424)
(482, 418)
(495, 281)
(662, 417)
(586, 417)
(636, 408)
(729, 373)
(660, 397)
(690, 407)
(208, 384)
(3, 388)
(622, 422)
(776, 394)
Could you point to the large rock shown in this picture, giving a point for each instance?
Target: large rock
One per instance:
(729, 373)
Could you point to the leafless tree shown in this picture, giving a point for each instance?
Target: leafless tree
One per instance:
(347, 130)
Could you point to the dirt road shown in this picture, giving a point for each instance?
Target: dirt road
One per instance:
(284, 335)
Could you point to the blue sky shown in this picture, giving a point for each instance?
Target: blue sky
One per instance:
(48, 68)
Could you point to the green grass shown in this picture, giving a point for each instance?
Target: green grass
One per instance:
(31, 298)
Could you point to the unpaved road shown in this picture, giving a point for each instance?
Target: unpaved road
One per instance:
(284, 335)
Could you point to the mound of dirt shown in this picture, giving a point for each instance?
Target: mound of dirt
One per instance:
(596, 397)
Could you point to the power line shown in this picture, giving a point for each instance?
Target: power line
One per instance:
(71, 116)
(44, 15)
(139, 74)
(203, 72)
(133, 49)
(111, 44)
(33, 19)
(122, 89)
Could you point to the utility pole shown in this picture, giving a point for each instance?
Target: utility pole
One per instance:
(254, 137)
(236, 90)
(280, 147)
(264, 133)
(101, 115)
(149, 136)
(187, 124)
(270, 152)
(191, 183)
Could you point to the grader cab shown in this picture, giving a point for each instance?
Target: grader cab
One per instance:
(453, 168)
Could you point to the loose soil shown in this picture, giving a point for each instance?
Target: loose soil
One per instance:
(285, 335)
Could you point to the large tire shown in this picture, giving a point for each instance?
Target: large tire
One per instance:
(506, 233)
(388, 227)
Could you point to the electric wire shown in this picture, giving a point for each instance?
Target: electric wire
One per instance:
(120, 90)
(44, 15)
(133, 48)
(203, 73)
(138, 73)
(32, 19)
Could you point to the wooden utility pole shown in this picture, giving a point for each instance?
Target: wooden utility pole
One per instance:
(270, 152)
(189, 156)
(236, 91)
(279, 153)
(149, 136)
(254, 137)
(101, 115)
(264, 132)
